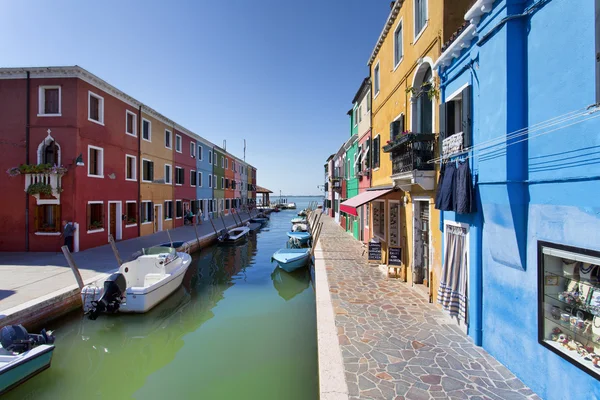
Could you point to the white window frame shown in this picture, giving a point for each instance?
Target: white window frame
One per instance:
(199, 179)
(100, 164)
(144, 208)
(222, 162)
(371, 155)
(376, 234)
(376, 79)
(355, 122)
(400, 25)
(215, 159)
(417, 35)
(222, 182)
(182, 210)
(42, 100)
(178, 143)
(210, 181)
(170, 175)
(149, 130)
(170, 133)
(95, 230)
(176, 175)
(210, 157)
(367, 215)
(100, 108)
(192, 149)
(138, 217)
(359, 114)
(142, 176)
(226, 163)
(169, 201)
(134, 171)
(214, 181)
(389, 222)
(193, 172)
(200, 151)
(134, 134)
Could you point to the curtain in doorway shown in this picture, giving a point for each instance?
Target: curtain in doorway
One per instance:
(452, 293)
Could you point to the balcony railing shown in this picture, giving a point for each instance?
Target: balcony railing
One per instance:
(411, 152)
(52, 179)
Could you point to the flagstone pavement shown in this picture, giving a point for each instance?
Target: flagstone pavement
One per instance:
(394, 343)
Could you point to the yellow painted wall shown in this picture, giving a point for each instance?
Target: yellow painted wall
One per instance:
(157, 152)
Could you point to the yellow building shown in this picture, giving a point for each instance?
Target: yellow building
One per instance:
(404, 126)
(156, 172)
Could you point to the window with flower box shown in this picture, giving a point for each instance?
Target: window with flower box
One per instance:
(47, 219)
(95, 216)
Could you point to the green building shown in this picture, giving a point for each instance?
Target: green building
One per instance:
(218, 181)
(350, 160)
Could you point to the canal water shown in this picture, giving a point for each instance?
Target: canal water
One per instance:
(238, 328)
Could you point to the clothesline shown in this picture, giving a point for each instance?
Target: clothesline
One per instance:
(501, 140)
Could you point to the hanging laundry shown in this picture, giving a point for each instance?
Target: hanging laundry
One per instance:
(446, 189)
(438, 193)
(452, 292)
(463, 197)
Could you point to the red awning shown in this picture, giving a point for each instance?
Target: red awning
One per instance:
(349, 206)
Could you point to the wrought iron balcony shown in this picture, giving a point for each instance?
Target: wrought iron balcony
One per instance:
(411, 151)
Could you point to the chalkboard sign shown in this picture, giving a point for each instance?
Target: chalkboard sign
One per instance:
(374, 251)
(395, 256)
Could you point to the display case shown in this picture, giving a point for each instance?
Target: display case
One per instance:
(569, 304)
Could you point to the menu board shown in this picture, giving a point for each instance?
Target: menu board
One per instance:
(395, 256)
(374, 251)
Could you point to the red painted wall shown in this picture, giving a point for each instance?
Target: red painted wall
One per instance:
(229, 174)
(186, 192)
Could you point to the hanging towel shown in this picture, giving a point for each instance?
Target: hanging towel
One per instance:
(447, 188)
(464, 202)
(452, 293)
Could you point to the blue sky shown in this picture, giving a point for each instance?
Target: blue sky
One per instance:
(280, 74)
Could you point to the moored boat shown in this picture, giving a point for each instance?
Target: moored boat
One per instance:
(140, 284)
(291, 206)
(260, 220)
(235, 235)
(23, 355)
(302, 213)
(291, 259)
(298, 220)
(299, 228)
(302, 237)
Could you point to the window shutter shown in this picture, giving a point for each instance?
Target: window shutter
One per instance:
(467, 118)
(401, 124)
(150, 171)
(89, 216)
(442, 119)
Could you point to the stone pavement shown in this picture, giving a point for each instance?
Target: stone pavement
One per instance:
(394, 343)
(26, 277)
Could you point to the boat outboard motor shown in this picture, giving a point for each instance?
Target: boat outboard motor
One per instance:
(114, 289)
(15, 338)
(223, 235)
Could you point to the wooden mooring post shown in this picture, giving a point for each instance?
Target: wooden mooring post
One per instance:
(197, 237)
(71, 262)
(170, 240)
(113, 246)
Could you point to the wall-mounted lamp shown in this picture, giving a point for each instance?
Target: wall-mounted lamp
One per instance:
(79, 160)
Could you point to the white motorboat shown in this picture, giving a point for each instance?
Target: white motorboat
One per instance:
(234, 235)
(23, 355)
(140, 284)
(299, 228)
(291, 206)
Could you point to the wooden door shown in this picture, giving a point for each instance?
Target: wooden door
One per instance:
(112, 224)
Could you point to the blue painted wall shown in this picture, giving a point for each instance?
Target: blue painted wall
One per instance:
(527, 71)
(202, 165)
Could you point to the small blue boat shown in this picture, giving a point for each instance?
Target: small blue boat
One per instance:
(298, 220)
(303, 237)
(291, 259)
(260, 220)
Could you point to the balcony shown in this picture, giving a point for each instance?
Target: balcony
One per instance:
(45, 187)
(409, 154)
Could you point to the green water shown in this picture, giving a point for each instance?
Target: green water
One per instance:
(238, 328)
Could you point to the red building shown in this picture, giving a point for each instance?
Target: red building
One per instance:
(186, 176)
(58, 116)
(229, 178)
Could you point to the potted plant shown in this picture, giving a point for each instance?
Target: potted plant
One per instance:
(39, 188)
(131, 220)
(96, 225)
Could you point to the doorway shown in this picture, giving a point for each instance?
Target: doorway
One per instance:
(115, 225)
(421, 241)
(158, 221)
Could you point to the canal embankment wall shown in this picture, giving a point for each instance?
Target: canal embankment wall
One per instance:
(39, 287)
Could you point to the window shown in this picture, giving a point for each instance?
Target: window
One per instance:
(130, 164)
(49, 152)
(147, 212)
(376, 79)
(367, 215)
(95, 162)
(95, 108)
(147, 170)
(420, 16)
(210, 156)
(455, 122)
(214, 181)
(423, 123)
(222, 183)
(192, 149)
(379, 219)
(168, 212)
(394, 223)
(47, 219)
(168, 139)
(359, 114)
(227, 204)
(215, 158)
(200, 150)
(49, 101)
(168, 174)
(178, 143)
(130, 123)
(226, 163)
(376, 151)
(194, 206)
(178, 209)
(222, 162)
(210, 185)
(193, 178)
(179, 176)
(146, 130)
(95, 216)
(398, 50)
(354, 117)
(130, 214)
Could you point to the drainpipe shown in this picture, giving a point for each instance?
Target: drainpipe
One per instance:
(27, 124)
(140, 172)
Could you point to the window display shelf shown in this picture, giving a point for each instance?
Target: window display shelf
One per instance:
(580, 306)
(585, 338)
(588, 364)
(590, 283)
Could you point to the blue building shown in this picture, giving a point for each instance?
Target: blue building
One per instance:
(204, 166)
(518, 84)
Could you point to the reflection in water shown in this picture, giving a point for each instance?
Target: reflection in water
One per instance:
(224, 334)
(290, 284)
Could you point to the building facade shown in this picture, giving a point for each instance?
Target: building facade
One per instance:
(522, 118)
(218, 181)
(78, 149)
(204, 166)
